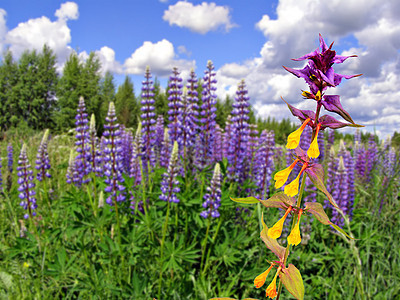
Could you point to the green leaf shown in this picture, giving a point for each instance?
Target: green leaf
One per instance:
(248, 200)
(279, 200)
(318, 211)
(271, 244)
(316, 174)
(291, 279)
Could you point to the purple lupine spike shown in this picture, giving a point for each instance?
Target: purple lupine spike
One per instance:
(340, 192)
(193, 99)
(207, 117)
(237, 154)
(175, 106)
(226, 137)
(101, 157)
(252, 147)
(127, 149)
(147, 119)
(82, 142)
(113, 166)
(264, 163)
(349, 165)
(42, 158)
(26, 184)
(169, 184)
(389, 161)
(159, 137)
(189, 125)
(361, 162)
(372, 157)
(136, 159)
(217, 149)
(165, 150)
(10, 163)
(332, 167)
(213, 195)
(72, 174)
(95, 157)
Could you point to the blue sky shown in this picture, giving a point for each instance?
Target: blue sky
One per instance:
(244, 39)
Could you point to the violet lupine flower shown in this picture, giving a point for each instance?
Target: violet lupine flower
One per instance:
(226, 136)
(389, 161)
(175, 106)
(72, 173)
(113, 159)
(361, 162)
(264, 163)
(217, 149)
(237, 154)
(252, 146)
(193, 99)
(373, 158)
(340, 193)
(331, 140)
(148, 120)
(127, 149)
(159, 137)
(42, 159)
(83, 142)
(95, 157)
(189, 125)
(26, 184)
(207, 120)
(169, 184)
(213, 196)
(165, 150)
(10, 163)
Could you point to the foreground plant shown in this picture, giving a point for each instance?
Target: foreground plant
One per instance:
(320, 76)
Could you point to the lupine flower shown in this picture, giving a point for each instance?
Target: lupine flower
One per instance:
(226, 136)
(275, 231)
(165, 150)
(72, 174)
(340, 192)
(136, 159)
(252, 147)
(294, 237)
(264, 162)
(213, 196)
(42, 158)
(113, 159)
(95, 157)
(208, 116)
(175, 106)
(218, 148)
(83, 142)
(147, 117)
(26, 184)
(169, 184)
(10, 164)
(189, 124)
(237, 154)
(159, 137)
(127, 149)
(193, 99)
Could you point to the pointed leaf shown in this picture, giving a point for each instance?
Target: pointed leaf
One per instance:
(301, 114)
(279, 200)
(271, 244)
(291, 279)
(318, 211)
(248, 200)
(332, 103)
(316, 174)
(331, 122)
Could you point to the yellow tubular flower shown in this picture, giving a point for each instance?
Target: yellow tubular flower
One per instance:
(292, 188)
(275, 231)
(294, 237)
(260, 279)
(313, 151)
(294, 138)
(282, 176)
(271, 289)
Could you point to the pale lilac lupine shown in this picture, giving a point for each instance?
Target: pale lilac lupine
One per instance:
(82, 142)
(175, 106)
(264, 163)
(72, 174)
(169, 184)
(135, 171)
(42, 159)
(148, 119)
(213, 195)
(113, 159)
(217, 147)
(165, 150)
(95, 158)
(207, 117)
(237, 154)
(26, 185)
(252, 147)
(159, 137)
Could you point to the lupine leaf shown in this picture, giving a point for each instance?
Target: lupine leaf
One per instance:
(291, 279)
(318, 211)
(271, 244)
(316, 174)
(279, 200)
(248, 200)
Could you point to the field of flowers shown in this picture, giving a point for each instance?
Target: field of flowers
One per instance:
(146, 213)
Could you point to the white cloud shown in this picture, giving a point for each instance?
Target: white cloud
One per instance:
(159, 56)
(106, 56)
(3, 27)
(200, 18)
(67, 11)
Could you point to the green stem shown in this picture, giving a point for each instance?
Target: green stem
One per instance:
(164, 233)
(298, 204)
(204, 244)
(212, 243)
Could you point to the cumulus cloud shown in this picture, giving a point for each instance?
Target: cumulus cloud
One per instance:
(3, 27)
(159, 56)
(200, 18)
(294, 32)
(108, 62)
(67, 11)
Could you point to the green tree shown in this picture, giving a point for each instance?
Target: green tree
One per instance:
(126, 106)
(8, 79)
(107, 92)
(160, 101)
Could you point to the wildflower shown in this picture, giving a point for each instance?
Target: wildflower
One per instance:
(42, 159)
(282, 176)
(294, 237)
(175, 106)
(293, 188)
(169, 184)
(26, 265)
(275, 231)
(213, 196)
(313, 151)
(271, 289)
(260, 279)
(294, 137)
